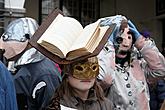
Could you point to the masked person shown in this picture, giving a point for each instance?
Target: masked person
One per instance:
(79, 89)
(35, 76)
(122, 73)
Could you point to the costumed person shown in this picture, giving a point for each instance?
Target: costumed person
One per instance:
(156, 88)
(79, 89)
(7, 90)
(35, 76)
(121, 72)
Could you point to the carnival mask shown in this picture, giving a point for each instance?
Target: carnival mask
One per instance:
(86, 69)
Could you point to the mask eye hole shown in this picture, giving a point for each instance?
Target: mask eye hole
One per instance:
(4, 37)
(94, 67)
(129, 37)
(27, 36)
(119, 40)
(79, 68)
(129, 32)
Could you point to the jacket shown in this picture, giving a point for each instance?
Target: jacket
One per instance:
(128, 89)
(91, 103)
(37, 81)
(7, 90)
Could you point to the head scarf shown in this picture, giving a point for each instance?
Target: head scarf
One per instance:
(15, 39)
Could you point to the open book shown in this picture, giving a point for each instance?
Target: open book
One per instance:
(66, 38)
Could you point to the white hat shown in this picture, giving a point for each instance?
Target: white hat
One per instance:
(15, 38)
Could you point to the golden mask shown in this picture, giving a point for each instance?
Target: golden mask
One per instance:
(86, 69)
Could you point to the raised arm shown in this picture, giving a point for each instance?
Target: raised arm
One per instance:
(155, 62)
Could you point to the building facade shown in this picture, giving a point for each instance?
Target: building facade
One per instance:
(146, 14)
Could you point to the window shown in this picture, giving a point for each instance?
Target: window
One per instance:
(160, 7)
(85, 11)
(47, 6)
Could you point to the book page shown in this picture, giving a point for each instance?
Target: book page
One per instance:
(62, 33)
(85, 36)
(91, 46)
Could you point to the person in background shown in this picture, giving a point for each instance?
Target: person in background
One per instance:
(35, 76)
(156, 88)
(7, 90)
(124, 76)
(79, 89)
